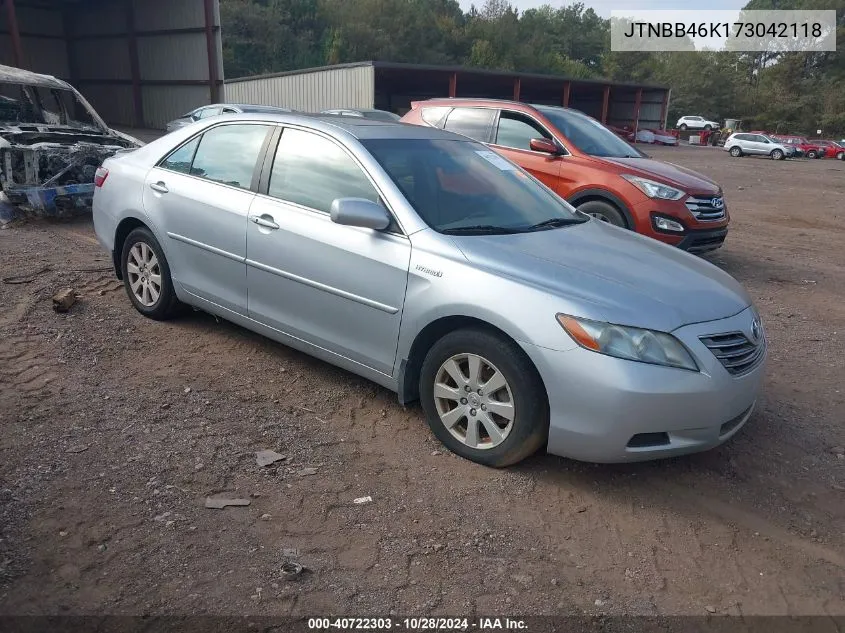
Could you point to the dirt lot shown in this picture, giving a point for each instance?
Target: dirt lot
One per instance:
(115, 428)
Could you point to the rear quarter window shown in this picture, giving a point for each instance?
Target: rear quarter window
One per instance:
(435, 116)
(476, 123)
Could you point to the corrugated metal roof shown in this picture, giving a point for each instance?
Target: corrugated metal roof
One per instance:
(464, 70)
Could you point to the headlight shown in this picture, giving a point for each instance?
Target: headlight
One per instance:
(630, 343)
(654, 189)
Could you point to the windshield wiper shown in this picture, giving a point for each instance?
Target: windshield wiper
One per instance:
(554, 223)
(481, 229)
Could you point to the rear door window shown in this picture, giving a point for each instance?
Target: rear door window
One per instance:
(181, 159)
(476, 123)
(227, 154)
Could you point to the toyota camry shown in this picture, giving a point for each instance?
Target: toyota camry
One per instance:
(431, 265)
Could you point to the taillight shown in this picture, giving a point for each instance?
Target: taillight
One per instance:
(100, 176)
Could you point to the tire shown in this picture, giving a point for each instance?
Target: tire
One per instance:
(142, 259)
(735, 151)
(708, 127)
(777, 154)
(811, 154)
(603, 211)
(683, 126)
(840, 156)
(523, 389)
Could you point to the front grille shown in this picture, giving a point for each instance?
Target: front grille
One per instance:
(736, 353)
(705, 210)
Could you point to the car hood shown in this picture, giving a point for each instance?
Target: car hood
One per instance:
(610, 274)
(685, 179)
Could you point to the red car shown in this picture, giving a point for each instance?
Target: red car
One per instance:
(831, 149)
(808, 149)
(591, 167)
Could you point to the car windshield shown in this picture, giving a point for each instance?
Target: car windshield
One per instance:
(258, 109)
(588, 135)
(461, 187)
(41, 105)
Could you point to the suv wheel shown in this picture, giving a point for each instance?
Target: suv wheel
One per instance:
(683, 126)
(604, 212)
(483, 398)
(146, 276)
(736, 152)
(777, 154)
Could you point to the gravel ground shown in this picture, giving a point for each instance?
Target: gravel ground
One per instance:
(115, 429)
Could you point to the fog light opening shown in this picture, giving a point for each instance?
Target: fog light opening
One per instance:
(667, 225)
(648, 440)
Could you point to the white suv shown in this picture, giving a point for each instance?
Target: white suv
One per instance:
(742, 143)
(696, 123)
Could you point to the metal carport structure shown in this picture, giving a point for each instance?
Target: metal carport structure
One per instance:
(140, 63)
(392, 86)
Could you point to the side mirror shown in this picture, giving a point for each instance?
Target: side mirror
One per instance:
(543, 145)
(360, 212)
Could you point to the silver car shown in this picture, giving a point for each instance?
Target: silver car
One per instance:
(426, 262)
(376, 115)
(745, 143)
(217, 109)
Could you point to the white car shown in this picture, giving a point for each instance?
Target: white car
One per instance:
(743, 143)
(696, 123)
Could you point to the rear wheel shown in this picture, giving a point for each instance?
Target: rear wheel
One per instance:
(603, 211)
(683, 126)
(483, 398)
(777, 154)
(146, 276)
(736, 152)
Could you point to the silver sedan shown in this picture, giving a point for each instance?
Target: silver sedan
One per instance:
(436, 268)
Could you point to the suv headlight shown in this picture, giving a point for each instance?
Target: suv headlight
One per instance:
(630, 343)
(654, 189)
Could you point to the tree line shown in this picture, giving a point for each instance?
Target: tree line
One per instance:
(782, 92)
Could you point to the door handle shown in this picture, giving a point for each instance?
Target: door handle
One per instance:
(265, 220)
(159, 186)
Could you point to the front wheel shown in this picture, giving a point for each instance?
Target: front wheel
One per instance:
(811, 154)
(736, 152)
(777, 154)
(146, 276)
(603, 212)
(483, 398)
(708, 127)
(683, 126)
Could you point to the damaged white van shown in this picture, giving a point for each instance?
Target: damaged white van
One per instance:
(51, 143)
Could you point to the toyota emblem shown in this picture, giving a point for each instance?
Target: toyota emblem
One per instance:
(756, 331)
(717, 203)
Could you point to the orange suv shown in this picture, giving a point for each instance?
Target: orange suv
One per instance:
(590, 167)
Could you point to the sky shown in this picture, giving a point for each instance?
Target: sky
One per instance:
(604, 7)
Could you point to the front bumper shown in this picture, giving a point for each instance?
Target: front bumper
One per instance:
(605, 410)
(703, 241)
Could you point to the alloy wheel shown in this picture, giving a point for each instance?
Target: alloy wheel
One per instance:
(144, 274)
(474, 401)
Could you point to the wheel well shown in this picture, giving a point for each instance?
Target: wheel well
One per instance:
(593, 197)
(409, 379)
(125, 227)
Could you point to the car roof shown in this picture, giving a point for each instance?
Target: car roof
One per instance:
(357, 127)
(538, 107)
